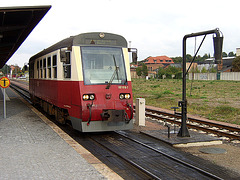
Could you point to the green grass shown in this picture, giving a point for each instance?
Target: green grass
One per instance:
(218, 100)
(222, 113)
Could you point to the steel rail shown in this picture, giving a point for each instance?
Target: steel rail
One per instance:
(19, 90)
(16, 88)
(230, 128)
(157, 114)
(171, 157)
(210, 124)
(129, 161)
(145, 145)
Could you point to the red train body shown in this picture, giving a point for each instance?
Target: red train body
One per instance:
(85, 79)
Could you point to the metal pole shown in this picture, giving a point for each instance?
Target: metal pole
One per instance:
(174, 127)
(4, 103)
(168, 126)
(183, 132)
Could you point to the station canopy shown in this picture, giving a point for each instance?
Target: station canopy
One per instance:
(16, 23)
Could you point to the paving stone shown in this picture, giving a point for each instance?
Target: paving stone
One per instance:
(30, 149)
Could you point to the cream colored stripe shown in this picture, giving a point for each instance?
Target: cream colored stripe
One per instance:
(127, 64)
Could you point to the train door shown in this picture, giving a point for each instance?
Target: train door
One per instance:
(31, 77)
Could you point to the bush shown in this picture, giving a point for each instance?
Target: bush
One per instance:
(168, 72)
(236, 64)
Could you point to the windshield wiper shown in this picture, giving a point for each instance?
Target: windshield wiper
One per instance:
(114, 73)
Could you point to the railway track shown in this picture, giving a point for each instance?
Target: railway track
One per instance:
(152, 161)
(216, 128)
(140, 157)
(142, 160)
(21, 90)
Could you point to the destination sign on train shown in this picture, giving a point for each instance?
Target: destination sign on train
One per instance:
(101, 41)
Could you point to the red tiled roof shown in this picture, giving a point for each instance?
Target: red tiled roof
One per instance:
(159, 60)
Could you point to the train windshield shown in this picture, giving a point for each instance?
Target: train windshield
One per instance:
(103, 65)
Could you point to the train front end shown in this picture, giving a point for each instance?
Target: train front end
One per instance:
(105, 90)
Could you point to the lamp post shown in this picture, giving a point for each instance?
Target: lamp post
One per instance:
(183, 132)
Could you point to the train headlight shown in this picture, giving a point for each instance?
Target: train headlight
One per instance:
(127, 96)
(124, 96)
(87, 97)
(121, 96)
(92, 97)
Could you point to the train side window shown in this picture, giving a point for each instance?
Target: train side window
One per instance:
(44, 68)
(54, 66)
(67, 66)
(49, 67)
(40, 69)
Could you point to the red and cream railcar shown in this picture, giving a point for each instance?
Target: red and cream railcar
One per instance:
(85, 79)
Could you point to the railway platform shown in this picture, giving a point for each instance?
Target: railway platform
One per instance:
(168, 133)
(195, 139)
(33, 148)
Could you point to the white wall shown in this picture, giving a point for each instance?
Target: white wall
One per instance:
(232, 76)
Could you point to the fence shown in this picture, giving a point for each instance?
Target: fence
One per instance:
(231, 76)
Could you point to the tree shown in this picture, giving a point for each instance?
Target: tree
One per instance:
(206, 56)
(189, 57)
(198, 58)
(231, 54)
(25, 68)
(139, 71)
(224, 54)
(6, 69)
(178, 59)
(144, 70)
(236, 64)
(196, 70)
(201, 59)
(212, 70)
(204, 70)
(171, 70)
(161, 72)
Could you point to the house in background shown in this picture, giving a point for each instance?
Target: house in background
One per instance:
(133, 68)
(237, 51)
(225, 66)
(153, 63)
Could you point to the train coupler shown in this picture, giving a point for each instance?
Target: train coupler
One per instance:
(113, 115)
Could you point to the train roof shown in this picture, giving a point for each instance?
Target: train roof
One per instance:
(94, 38)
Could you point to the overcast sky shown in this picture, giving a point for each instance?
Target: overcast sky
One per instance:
(154, 27)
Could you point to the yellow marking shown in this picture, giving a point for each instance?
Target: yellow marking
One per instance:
(4, 82)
